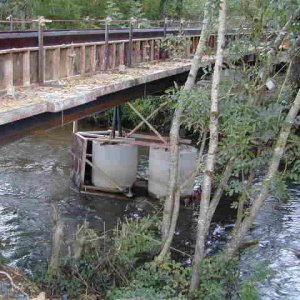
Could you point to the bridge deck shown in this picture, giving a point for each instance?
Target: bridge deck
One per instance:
(65, 94)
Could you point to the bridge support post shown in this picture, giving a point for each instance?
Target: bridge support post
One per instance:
(117, 121)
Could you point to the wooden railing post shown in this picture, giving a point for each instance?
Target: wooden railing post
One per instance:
(106, 61)
(11, 23)
(41, 55)
(130, 41)
(165, 27)
(41, 52)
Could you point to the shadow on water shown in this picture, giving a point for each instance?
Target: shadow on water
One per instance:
(34, 172)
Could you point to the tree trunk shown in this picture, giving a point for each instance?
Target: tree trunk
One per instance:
(212, 151)
(219, 192)
(237, 239)
(241, 204)
(174, 133)
(190, 82)
(166, 246)
(295, 66)
(57, 240)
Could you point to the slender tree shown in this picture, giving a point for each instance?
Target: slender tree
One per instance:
(212, 152)
(279, 149)
(170, 215)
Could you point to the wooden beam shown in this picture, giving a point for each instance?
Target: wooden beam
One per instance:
(82, 60)
(56, 63)
(26, 68)
(112, 56)
(8, 72)
(93, 59)
(122, 53)
(152, 50)
(102, 57)
(146, 122)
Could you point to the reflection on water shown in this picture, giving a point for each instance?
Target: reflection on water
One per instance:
(35, 171)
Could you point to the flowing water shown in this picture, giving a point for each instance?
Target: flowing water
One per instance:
(34, 173)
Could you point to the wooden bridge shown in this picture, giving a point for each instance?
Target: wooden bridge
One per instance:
(53, 83)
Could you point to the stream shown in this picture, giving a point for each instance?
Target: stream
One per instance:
(34, 172)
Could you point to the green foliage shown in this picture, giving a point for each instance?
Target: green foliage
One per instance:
(218, 279)
(112, 10)
(134, 238)
(175, 45)
(95, 272)
(145, 106)
(292, 158)
(166, 281)
(59, 9)
(170, 280)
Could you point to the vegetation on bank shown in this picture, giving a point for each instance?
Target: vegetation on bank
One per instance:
(128, 270)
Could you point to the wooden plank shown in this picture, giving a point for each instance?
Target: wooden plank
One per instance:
(64, 63)
(83, 162)
(112, 56)
(26, 68)
(82, 60)
(17, 59)
(102, 57)
(137, 52)
(76, 61)
(93, 191)
(88, 66)
(56, 64)
(152, 50)
(69, 63)
(8, 78)
(93, 59)
(34, 68)
(121, 53)
(155, 138)
(76, 160)
(146, 51)
(146, 122)
(156, 50)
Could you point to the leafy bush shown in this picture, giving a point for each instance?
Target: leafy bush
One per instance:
(175, 45)
(168, 280)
